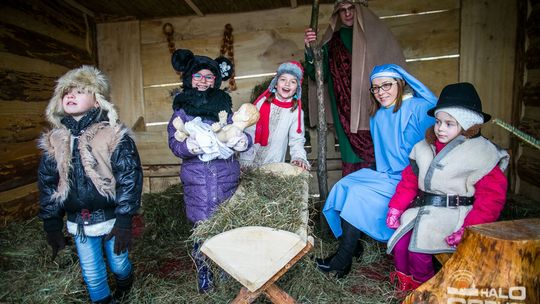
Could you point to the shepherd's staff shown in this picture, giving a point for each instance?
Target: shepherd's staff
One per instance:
(316, 53)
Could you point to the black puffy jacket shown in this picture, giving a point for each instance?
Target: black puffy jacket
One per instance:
(100, 176)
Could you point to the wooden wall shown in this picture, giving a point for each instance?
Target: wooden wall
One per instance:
(528, 160)
(39, 41)
(262, 40)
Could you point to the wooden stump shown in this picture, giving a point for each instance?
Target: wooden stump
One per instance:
(495, 263)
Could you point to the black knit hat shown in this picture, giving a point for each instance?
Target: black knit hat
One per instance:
(185, 62)
(462, 94)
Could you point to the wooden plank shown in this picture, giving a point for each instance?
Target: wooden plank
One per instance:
(50, 18)
(28, 65)
(482, 32)
(19, 203)
(528, 166)
(17, 85)
(427, 35)
(21, 121)
(119, 58)
(18, 172)
(384, 8)
(435, 74)
(17, 40)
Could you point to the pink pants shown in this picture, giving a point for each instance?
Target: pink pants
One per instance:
(419, 265)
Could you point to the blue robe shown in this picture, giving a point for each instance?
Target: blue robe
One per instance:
(361, 198)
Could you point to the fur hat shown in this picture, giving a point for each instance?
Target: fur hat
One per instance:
(88, 78)
(187, 63)
(461, 95)
(290, 67)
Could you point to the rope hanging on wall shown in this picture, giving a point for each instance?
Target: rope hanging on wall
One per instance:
(227, 50)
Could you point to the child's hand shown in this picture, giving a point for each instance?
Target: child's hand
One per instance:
(122, 239)
(300, 163)
(57, 241)
(392, 218)
(455, 238)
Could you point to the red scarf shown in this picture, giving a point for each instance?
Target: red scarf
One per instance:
(262, 129)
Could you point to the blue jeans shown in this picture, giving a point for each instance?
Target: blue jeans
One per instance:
(93, 266)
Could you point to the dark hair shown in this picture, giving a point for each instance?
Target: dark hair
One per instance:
(375, 105)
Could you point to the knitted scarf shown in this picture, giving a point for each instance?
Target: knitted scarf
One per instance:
(262, 129)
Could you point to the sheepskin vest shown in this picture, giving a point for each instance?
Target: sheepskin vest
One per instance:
(458, 166)
(95, 145)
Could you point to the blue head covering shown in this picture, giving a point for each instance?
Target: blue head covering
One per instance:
(395, 71)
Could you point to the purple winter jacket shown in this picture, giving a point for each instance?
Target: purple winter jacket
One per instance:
(206, 184)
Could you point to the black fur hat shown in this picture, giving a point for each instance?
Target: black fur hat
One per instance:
(187, 63)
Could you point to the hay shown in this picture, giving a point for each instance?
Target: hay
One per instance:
(264, 199)
(164, 272)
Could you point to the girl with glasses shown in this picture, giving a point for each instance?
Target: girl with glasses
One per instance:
(210, 170)
(358, 203)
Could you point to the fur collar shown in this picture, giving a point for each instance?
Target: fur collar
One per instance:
(205, 104)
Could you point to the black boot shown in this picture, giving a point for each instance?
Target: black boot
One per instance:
(123, 286)
(341, 261)
(107, 300)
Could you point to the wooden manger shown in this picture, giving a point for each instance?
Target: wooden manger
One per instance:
(495, 263)
(258, 256)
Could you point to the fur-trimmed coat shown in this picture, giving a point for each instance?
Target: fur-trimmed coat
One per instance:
(88, 164)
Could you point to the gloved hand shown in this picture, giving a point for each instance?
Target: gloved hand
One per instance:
(392, 217)
(122, 239)
(238, 143)
(193, 146)
(57, 241)
(454, 238)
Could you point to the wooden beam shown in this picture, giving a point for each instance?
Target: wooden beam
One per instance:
(194, 8)
(294, 4)
(81, 8)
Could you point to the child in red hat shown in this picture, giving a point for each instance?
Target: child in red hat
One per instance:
(281, 120)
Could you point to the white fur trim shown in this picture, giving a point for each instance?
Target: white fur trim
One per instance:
(98, 229)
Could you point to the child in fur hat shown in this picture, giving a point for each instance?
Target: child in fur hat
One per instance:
(455, 180)
(210, 170)
(281, 122)
(90, 169)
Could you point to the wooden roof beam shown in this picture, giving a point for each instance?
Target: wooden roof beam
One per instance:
(194, 8)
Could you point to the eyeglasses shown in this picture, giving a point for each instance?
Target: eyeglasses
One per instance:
(199, 77)
(345, 10)
(385, 87)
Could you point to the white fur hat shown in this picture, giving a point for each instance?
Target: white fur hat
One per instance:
(88, 78)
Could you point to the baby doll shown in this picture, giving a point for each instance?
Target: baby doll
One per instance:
(247, 115)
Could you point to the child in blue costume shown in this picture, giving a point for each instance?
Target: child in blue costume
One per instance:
(359, 202)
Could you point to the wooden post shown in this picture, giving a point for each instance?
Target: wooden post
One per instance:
(316, 52)
(495, 263)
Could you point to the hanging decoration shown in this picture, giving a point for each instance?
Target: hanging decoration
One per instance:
(168, 31)
(227, 50)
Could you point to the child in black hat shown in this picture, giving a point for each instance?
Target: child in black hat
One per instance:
(455, 180)
(210, 170)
